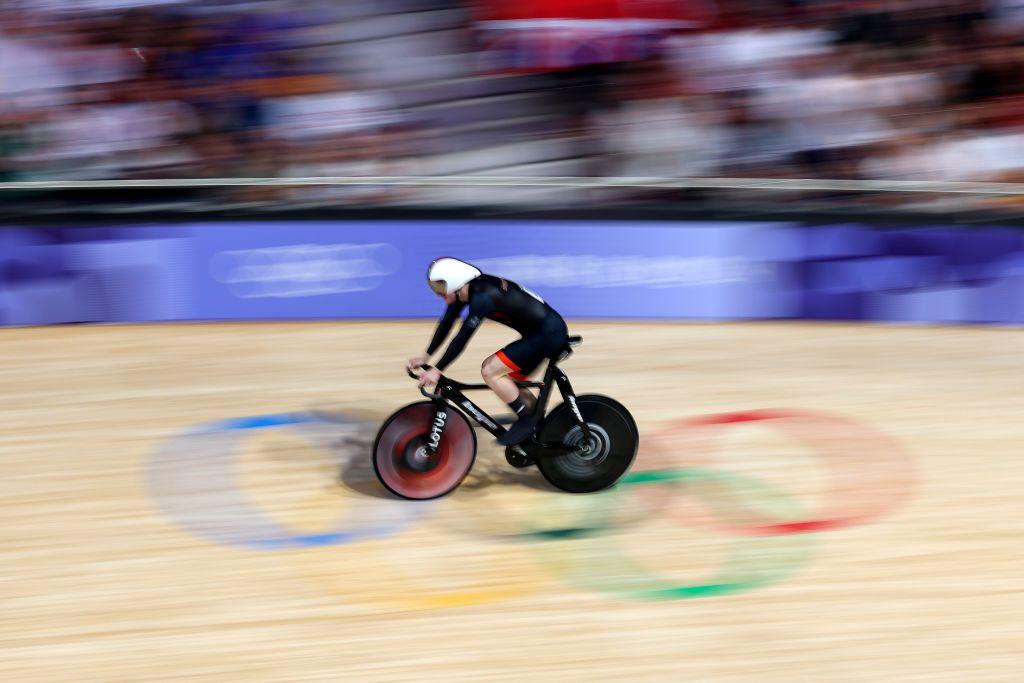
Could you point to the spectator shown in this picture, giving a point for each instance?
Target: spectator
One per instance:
(879, 89)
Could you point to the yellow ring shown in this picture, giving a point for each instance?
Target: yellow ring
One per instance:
(360, 573)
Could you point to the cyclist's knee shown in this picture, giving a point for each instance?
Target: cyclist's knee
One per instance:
(492, 368)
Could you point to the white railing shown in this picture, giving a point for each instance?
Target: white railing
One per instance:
(779, 184)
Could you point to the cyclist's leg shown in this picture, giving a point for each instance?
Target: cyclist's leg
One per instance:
(515, 362)
(503, 368)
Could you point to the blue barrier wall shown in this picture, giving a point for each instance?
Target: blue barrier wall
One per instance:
(586, 269)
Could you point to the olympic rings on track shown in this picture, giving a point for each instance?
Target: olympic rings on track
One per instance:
(522, 538)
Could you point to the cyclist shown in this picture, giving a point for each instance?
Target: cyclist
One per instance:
(543, 333)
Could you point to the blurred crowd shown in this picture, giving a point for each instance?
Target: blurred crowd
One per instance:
(879, 89)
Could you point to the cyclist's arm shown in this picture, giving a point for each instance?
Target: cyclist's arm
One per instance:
(445, 326)
(479, 307)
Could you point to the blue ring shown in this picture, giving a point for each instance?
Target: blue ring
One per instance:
(193, 479)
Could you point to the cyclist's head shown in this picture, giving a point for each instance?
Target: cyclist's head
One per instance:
(448, 275)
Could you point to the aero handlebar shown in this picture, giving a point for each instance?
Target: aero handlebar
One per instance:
(422, 390)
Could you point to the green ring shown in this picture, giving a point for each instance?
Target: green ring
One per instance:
(601, 564)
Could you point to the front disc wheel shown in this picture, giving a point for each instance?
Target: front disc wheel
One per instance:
(404, 465)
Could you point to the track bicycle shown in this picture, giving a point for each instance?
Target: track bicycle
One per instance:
(586, 443)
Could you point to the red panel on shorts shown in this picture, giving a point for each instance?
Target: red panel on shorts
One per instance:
(507, 361)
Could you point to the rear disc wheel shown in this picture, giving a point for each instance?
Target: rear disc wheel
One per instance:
(596, 462)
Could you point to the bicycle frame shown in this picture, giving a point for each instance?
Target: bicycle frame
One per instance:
(450, 394)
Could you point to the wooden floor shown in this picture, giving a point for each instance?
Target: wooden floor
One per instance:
(144, 538)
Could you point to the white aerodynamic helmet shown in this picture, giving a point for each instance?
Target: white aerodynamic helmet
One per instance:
(447, 275)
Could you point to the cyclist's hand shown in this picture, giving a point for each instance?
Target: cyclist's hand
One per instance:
(415, 362)
(430, 377)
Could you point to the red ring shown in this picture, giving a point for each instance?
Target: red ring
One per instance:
(868, 473)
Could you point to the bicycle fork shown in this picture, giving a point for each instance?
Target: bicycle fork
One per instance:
(437, 424)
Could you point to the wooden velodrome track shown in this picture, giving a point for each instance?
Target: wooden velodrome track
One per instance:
(132, 545)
